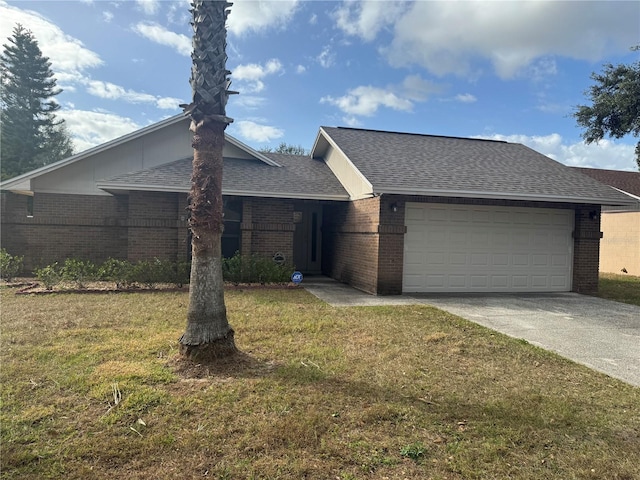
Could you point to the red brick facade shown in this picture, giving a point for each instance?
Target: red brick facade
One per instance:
(362, 241)
(367, 252)
(140, 226)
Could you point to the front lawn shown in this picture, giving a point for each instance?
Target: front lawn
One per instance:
(92, 389)
(621, 288)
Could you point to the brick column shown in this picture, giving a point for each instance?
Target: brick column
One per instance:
(586, 249)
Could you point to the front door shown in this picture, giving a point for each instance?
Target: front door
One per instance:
(307, 238)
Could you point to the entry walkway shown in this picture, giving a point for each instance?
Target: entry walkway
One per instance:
(598, 333)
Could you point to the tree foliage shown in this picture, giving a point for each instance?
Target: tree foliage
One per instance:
(615, 104)
(32, 136)
(286, 149)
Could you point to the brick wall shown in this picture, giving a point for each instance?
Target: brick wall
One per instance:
(586, 249)
(350, 243)
(64, 226)
(267, 227)
(157, 226)
(383, 275)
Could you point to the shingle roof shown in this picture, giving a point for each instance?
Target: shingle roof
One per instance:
(625, 181)
(298, 177)
(425, 164)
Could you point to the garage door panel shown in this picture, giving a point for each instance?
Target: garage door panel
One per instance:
(481, 248)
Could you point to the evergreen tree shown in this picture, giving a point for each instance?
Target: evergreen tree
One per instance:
(32, 136)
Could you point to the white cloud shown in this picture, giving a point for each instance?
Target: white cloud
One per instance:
(158, 34)
(250, 76)
(150, 7)
(260, 15)
(449, 37)
(107, 16)
(249, 102)
(68, 55)
(301, 69)
(605, 154)
(366, 19)
(112, 91)
(416, 88)
(326, 58)
(258, 133)
(365, 101)
(466, 98)
(89, 128)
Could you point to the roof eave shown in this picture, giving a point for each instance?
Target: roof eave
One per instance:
(122, 187)
(505, 196)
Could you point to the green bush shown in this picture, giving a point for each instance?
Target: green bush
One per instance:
(50, 275)
(118, 271)
(181, 273)
(152, 272)
(78, 271)
(10, 265)
(254, 269)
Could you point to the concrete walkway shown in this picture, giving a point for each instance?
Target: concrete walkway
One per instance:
(598, 333)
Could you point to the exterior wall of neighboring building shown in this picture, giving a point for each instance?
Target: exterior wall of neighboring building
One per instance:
(620, 245)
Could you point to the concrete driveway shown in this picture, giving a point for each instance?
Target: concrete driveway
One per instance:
(598, 333)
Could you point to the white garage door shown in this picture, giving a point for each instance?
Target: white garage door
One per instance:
(463, 248)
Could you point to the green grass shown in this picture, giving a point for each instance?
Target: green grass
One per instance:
(621, 288)
(92, 388)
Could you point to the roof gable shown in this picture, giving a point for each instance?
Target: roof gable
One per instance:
(130, 152)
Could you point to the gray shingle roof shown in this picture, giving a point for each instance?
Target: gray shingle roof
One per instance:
(299, 177)
(413, 163)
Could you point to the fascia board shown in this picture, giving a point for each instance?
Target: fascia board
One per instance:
(235, 192)
(505, 196)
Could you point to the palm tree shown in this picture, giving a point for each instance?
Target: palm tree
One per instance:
(208, 334)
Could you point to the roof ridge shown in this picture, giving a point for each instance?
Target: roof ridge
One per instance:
(420, 134)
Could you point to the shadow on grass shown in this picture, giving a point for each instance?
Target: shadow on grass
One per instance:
(238, 365)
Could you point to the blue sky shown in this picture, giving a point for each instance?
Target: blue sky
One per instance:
(504, 70)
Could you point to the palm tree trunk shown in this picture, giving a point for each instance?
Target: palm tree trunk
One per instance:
(208, 334)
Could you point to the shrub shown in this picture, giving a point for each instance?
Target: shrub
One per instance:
(254, 269)
(152, 272)
(78, 271)
(118, 271)
(50, 275)
(181, 274)
(10, 265)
